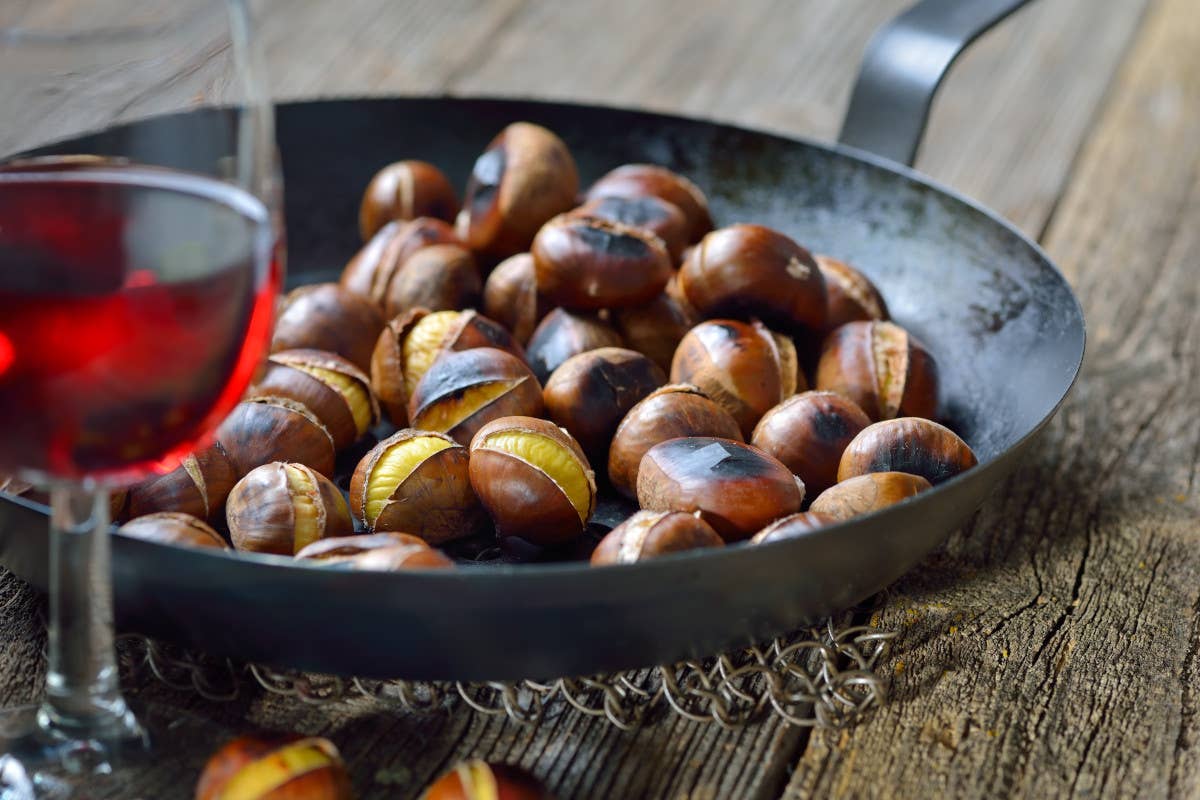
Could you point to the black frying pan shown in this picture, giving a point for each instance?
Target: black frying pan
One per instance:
(1002, 322)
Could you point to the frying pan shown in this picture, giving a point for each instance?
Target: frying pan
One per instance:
(1000, 319)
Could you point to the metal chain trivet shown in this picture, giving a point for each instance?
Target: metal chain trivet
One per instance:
(820, 677)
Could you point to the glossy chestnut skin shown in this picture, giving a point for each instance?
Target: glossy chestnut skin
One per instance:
(322, 777)
(324, 316)
(743, 366)
(808, 432)
(672, 411)
(864, 494)
(446, 396)
(510, 296)
(265, 429)
(433, 502)
(882, 368)
(587, 263)
(907, 444)
(792, 526)
(647, 534)
(753, 272)
(400, 557)
(372, 269)
(640, 180)
(197, 487)
(297, 374)
(480, 780)
(338, 549)
(851, 297)
(405, 190)
(173, 527)
(524, 178)
(264, 510)
(438, 277)
(652, 214)
(738, 489)
(521, 496)
(563, 334)
(656, 328)
(589, 394)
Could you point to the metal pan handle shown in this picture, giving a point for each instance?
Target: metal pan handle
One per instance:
(903, 66)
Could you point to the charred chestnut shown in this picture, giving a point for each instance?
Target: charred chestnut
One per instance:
(656, 328)
(335, 390)
(647, 534)
(882, 367)
(479, 780)
(670, 412)
(265, 429)
(563, 334)
(275, 768)
(324, 316)
(197, 487)
(416, 482)
(524, 178)
(405, 190)
(640, 180)
(851, 295)
(808, 432)
(864, 494)
(510, 296)
(533, 479)
(463, 391)
(907, 444)
(438, 277)
(589, 394)
(282, 508)
(649, 213)
(743, 366)
(738, 489)
(792, 526)
(372, 269)
(173, 527)
(753, 272)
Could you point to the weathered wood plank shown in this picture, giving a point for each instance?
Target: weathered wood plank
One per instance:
(1050, 650)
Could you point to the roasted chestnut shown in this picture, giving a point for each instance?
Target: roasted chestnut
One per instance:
(589, 394)
(510, 296)
(338, 549)
(324, 316)
(639, 180)
(405, 190)
(479, 780)
(738, 489)
(647, 534)
(656, 328)
(281, 508)
(416, 482)
(907, 444)
(462, 391)
(198, 487)
(743, 366)
(173, 527)
(670, 412)
(265, 429)
(400, 557)
(587, 263)
(372, 269)
(275, 768)
(850, 295)
(753, 272)
(524, 178)
(808, 432)
(336, 391)
(437, 277)
(882, 367)
(649, 213)
(563, 334)
(533, 479)
(866, 493)
(793, 525)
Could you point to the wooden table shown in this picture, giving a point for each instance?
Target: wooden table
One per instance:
(1050, 648)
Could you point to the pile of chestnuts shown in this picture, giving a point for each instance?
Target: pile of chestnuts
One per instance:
(485, 374)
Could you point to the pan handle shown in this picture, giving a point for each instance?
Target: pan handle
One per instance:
(903, 66)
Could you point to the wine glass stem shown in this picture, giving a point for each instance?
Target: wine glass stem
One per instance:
(83, 693)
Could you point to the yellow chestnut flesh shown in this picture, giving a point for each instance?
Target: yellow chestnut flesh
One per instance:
(249, 768)
(281, 508)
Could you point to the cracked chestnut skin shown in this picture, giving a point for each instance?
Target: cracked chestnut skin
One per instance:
(261, 430)
(262, 516)
(563, 334)
(753, 272)
(284, 378)
(641, 180)
(651, 214)
(851, 295)
(794, 525)
(648, 534)
(907, 444)
(865, 494)
(440, 277)
(808, 432)
(405, 190)
(373, 267)
(881, 367)
(179, 490)
(738, 489)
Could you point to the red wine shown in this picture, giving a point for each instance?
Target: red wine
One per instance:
(135, 305)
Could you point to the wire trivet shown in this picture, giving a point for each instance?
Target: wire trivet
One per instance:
(820, 677)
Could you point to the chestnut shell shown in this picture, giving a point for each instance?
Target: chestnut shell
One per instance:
(440, 277)
(265, 429)
(808, 432)
(792, 526)
(867, 493)
(173, 527)
(563, 334)
(881, 367)
(261, 514)
(639, 180)
(405, 190)
(197, 487)
(650, 213)
(648, 534)
(325, 316)
(907, 444)
(510, 296)
(851, 296)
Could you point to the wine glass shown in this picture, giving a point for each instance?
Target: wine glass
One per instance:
(138, 275)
